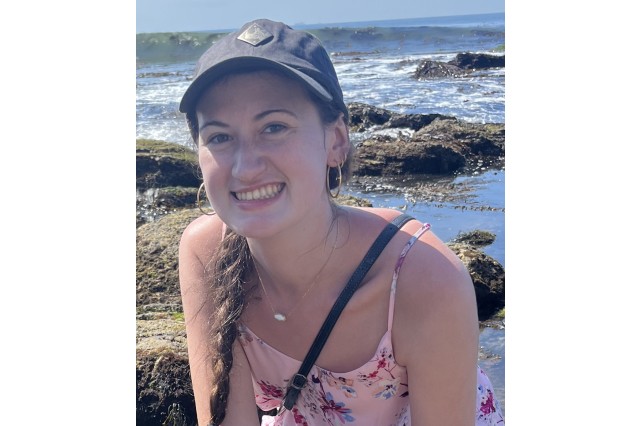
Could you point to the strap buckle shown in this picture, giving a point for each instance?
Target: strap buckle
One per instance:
(298, 381)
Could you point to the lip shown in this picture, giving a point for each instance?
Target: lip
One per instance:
(259, 193)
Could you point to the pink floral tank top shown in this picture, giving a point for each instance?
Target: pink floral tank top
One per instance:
(374, 394)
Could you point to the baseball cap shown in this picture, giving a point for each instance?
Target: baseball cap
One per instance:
(263, 43)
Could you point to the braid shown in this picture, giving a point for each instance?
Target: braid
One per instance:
(230, 271)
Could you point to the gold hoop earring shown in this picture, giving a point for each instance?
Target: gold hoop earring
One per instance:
(200, 202)
(339, 179)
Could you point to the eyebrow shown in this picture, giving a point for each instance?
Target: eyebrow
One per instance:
(272, 111)
(257, 117)
(212, 123)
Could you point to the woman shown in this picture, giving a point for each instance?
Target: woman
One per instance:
(259, 277)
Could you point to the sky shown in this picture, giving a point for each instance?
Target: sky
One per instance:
(204, 15)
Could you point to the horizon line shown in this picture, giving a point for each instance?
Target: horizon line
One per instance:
(319, 25)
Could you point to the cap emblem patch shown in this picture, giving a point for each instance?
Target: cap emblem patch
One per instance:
(255, 35)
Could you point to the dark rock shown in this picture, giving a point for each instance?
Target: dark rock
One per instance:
(476, 238)
(414, 121)
(469, 61)
(461, 66)
(433, 69)
(164, 395)
(488, 278)
(441, 144)
(160, 164)
(175, 196)
(363, 117)
(167, 178)
(476, 142)
(377, 159)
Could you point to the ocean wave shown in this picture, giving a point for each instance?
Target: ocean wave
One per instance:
(339, 41)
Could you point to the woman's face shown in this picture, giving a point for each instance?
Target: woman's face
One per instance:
(263, 151)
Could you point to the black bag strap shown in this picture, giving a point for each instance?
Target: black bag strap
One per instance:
(299, 380)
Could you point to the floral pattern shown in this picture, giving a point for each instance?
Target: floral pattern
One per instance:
(339, 398)
(488, 410)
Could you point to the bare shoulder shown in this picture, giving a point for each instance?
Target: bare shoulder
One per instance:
(201, 237)
(380, 213)
(435, 297)
(198, 245)
(431, 266)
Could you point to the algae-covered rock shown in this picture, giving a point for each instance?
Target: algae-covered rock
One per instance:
(364, 116)
(461, 66)
(379, 158)
(478, 61)
(487, 275)
(428, 143)
(160, 164)
(157, 258)
(475, 238)
(164, 395)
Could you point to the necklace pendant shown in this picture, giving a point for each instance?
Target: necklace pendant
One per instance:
(279, 317)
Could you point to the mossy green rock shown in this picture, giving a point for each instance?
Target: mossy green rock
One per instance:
(160, 164)
(157, 258)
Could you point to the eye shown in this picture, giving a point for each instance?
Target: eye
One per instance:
(274, 128)
(218, 138)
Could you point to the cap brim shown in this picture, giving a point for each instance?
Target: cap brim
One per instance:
(243, 63)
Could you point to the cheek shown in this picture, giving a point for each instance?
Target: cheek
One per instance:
(313, 173)
(207, 161)
(213, 174)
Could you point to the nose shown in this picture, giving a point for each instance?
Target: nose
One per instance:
(248, 162)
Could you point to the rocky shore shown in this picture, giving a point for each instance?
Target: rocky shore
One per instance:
(388, 144)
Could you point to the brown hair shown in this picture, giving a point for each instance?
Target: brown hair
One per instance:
(233, 267)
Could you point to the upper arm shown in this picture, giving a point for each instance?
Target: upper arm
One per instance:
(197, 247)
(241, 406)
(191, 271)
(436, 334)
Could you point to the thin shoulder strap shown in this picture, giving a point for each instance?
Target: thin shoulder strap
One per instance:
(299, 380)
(396, 271)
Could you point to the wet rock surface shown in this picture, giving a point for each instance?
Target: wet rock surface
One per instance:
(161, 164)
(463, 65)
(430, 144)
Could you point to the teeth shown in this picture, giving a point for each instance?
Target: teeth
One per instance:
(267, 191)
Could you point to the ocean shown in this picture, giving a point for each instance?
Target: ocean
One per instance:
(375, 61)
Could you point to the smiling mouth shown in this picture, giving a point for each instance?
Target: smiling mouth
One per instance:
(263, 193)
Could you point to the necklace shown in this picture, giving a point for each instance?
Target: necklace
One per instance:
(279, 316)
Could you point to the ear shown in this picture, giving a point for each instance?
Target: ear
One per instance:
(337, 142)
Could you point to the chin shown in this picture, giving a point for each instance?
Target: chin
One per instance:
(258, 227)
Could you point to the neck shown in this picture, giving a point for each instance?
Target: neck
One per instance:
(288, 264)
